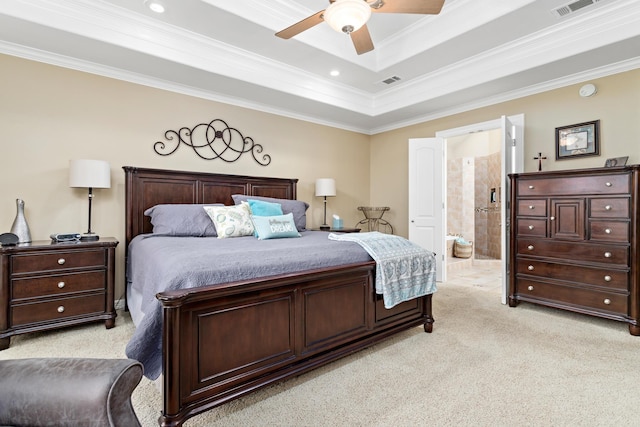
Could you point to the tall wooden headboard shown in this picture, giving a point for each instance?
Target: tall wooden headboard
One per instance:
(145, 188)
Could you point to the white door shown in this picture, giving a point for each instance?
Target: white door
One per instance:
(426, 183)
(509, 142)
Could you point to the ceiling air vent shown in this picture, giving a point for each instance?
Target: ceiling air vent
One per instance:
(391, 80)
(569, 8)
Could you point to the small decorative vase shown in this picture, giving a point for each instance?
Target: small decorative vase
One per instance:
(20, 227)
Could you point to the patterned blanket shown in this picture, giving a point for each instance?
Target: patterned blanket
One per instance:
(404, 270)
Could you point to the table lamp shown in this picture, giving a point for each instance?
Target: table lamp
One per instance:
(89, 174)
(325, 187)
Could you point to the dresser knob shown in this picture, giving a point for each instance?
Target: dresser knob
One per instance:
(553, 218)
(607, 301)
(530, 268)
(608, 184)
(61, 309)
(61, 261)
(530, 287)
(607, 230)
(607, 278)
(530, 247)
(531, 187)
(607, 208)
(531, 227)
(531, 207)
(607, 254)
(61, 285)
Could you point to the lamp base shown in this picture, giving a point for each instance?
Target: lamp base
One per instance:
(325, 228)
(89, 237)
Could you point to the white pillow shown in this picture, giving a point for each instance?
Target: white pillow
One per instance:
(231, 221)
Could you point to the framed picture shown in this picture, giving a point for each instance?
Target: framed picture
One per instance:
(582, 139)
(616, 161)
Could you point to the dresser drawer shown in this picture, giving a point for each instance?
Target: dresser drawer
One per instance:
(532, 227)
(57, 284)
(607, 278)
(58, 260)
(617, 255)
(609, 231)
(609, 208)
(595, 184)
(532, 207)
(22, 314)
(588, 298)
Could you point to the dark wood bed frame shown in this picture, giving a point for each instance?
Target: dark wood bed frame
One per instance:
(223, 341)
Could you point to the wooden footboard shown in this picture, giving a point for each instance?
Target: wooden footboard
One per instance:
(221, 342)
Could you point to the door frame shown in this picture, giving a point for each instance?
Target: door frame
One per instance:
(518, 165)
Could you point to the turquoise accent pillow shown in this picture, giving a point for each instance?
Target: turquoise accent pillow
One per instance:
(274, 227)
(262, 208)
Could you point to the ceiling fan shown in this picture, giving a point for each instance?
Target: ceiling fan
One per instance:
(351, 16)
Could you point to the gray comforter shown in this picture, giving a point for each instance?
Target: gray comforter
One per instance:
(158, 263)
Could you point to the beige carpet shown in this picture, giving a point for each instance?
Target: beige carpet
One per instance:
(485, 364)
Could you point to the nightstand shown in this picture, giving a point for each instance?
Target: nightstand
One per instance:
(340, 230)
(47, 285)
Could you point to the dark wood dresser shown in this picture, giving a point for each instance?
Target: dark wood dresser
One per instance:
(46, 285)
(574, 240)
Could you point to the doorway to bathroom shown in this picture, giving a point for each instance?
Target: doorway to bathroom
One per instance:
(477, 160)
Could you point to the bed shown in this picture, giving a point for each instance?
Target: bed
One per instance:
(221, 341)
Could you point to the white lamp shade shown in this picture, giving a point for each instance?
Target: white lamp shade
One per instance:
(325, 187)
(89, 174)
(347, 15)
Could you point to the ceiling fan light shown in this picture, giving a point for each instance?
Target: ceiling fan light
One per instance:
(347, 16)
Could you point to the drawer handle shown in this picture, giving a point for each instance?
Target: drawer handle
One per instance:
(607, 230)
(530, 287)
(608, 184)
(61, 309)
(607, 301)
(607, 278)
(61, 261)
(531, 207)
(531, 227)
(60, 285)
(607, 254)
(553, 218)
(530, 268)
(530, 247)
(531, 187)
(607, 208)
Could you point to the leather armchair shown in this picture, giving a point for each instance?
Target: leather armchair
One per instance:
(68, 392)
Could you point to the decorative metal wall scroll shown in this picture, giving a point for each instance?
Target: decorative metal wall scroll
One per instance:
(213, 140)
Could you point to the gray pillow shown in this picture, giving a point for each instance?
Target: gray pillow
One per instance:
(182, 220)
(296, 207)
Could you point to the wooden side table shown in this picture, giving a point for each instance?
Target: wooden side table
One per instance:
(47, 285)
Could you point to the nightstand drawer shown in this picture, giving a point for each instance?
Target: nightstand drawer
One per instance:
(593, 299)
(57, 284)
(57, 309)
(58, 260)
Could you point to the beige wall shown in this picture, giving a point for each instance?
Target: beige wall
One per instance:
(49, 115)
(616, 105)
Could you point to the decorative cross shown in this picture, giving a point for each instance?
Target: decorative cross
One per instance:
(540, 158)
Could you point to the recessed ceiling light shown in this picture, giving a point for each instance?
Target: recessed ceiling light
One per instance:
(155, 6)
(334, 73)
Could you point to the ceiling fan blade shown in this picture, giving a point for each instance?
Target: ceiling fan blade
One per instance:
(301, 26)
(362, 40)
(427, 7)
